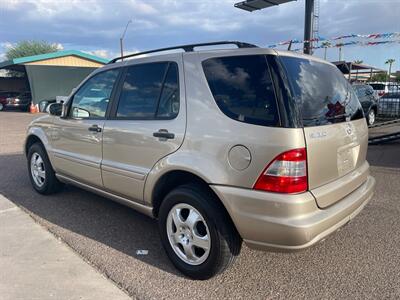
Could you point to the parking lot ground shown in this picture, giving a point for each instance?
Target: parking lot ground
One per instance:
(384, 130)
(361, 261)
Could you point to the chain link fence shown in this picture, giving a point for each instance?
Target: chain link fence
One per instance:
(389, 101)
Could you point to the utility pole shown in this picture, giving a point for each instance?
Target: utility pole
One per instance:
(121, 39)
(308, 26)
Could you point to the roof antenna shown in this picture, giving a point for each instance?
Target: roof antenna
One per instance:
(289, 48)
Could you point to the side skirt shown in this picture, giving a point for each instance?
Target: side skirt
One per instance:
(147, 210)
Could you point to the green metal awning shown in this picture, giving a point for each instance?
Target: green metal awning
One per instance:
(11, 64)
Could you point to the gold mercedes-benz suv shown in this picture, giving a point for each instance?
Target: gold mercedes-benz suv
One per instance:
(220, 146)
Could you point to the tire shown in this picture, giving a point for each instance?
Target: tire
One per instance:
(371, 117)
(48, 184)
(1, 107)
(213, 223)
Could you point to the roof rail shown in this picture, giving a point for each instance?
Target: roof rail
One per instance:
(187, 48)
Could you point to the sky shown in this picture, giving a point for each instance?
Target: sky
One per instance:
(95, 26)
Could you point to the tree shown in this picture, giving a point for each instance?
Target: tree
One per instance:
(326, 45)
(390, 62)
(378, 77)
(29, 48)
(358, 62)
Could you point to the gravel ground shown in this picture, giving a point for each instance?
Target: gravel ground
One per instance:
(361, 261)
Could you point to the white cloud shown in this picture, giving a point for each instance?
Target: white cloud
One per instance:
(142, 7)
(59, 46)
(96, 25)
(101, 53)
(6, 45)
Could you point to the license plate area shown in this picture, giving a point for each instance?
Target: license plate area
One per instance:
(347, 157)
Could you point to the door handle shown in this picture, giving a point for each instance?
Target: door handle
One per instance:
(164, 134)
(94, 128)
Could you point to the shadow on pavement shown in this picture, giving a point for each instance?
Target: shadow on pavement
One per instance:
(85, 214)
(385, 155)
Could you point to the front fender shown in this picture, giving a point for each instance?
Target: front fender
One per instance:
(41, 131)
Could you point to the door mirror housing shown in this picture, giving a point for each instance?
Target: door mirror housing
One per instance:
(56, 109)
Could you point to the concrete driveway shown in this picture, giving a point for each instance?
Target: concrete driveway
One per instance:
(361, 261)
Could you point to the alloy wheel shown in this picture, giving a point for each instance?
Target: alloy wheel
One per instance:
(188, 234)
(371, 117)
(38, 171)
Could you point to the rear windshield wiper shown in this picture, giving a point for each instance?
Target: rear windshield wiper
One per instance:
(338, 116)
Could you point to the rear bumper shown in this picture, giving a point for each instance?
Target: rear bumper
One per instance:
(269, 221)
(16, 105)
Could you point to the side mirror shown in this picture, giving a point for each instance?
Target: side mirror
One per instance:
(80, 113)
(55, 109)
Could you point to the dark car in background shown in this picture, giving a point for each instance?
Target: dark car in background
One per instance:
(4, 96)
(20, 101)
(389, 106)
(368, 100)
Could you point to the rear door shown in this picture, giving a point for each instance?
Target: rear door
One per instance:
(335, 130)
(146, 124)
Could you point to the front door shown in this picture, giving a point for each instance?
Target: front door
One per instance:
(145, 125)
(77, 139)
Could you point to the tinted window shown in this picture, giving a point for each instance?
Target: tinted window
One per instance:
(369, 90)
(322, 92)
(243, 89)
(360, 91)
(168, 106)
(92, 99)
(377, 86)
(150, 91)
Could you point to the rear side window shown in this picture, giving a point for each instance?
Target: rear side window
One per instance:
(322, 92)
(243, 89)
(150, 91)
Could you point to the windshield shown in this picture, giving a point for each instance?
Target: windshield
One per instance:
(322, 92)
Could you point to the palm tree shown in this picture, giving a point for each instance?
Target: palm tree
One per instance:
(390, 62)
(325, 44)
(358, 62)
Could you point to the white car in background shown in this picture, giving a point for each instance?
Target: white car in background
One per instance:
(384, 88)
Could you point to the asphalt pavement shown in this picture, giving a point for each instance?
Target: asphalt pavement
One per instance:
(361, 261)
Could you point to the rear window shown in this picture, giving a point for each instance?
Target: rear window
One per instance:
(243, 89)
(323, 94)
(360, 90)
(377, 86)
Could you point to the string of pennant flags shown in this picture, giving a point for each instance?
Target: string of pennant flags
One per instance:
(359, 43)
(330, 42)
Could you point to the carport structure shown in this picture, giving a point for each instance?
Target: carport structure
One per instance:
(355, 71)
(54, 74)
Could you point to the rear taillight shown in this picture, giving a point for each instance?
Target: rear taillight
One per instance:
(287, 173)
